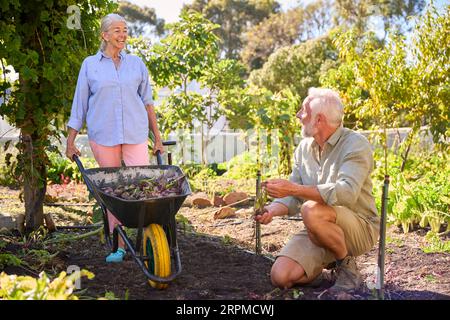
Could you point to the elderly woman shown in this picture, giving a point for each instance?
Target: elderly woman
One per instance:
(114, 97)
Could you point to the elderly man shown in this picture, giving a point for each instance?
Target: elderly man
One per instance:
(331, 182)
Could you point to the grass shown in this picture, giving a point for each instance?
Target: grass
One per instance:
(435, 244)
(431, 278)
(395, 241)
(227, 240)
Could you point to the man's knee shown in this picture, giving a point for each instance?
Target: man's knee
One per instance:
(285, 273)
(314, 214)
(279, 278)
(310, 213)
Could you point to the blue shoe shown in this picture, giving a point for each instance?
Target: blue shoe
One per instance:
(116, 256)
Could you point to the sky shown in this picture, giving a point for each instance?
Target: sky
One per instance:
(170, 9)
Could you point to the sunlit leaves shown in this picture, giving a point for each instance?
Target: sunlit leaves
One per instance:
(392, 85)
(296, 67)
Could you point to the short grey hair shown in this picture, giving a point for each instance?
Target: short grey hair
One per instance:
(106, 23)
(327, 102)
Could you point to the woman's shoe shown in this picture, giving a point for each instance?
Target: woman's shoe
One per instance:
(116, 256)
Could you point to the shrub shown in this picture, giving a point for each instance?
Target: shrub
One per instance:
(61, 170)
(419, 194)
(242, 166)
(13, 287)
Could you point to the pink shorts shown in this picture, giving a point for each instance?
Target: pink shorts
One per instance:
(132, 155)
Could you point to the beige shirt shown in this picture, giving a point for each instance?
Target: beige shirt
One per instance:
(341, 173)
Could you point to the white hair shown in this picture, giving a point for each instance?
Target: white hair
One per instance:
(106, 23)
(327, 102)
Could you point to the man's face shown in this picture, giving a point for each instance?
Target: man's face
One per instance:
(305, 117)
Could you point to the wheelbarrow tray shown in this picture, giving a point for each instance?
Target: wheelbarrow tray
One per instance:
(135, 213)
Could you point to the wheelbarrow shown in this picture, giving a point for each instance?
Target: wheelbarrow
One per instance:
(155, 249)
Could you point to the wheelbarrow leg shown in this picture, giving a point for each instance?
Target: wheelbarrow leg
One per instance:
(115, 245)
(140, 231)
(171, 231)
(106, 227)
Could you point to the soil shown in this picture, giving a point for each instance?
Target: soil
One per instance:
(219, 262)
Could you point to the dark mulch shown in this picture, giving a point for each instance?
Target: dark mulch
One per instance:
(211, 270)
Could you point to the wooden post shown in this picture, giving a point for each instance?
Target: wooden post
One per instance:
(382, 243)
(258, 224)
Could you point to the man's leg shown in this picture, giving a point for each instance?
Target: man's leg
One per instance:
(343, 233)
(287, 272)
(320, 221)
(299, 262)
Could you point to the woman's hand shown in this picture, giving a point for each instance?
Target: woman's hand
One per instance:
(71, 150)
(158, 147)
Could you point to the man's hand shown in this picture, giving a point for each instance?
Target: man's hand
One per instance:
(279, 188)
(270, 211)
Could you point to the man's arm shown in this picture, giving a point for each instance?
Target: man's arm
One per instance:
(280, 188)
(288, 199)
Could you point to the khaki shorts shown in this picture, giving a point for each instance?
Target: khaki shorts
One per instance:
(360, 237)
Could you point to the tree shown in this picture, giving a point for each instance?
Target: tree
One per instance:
(284, 29)
(270, 116)
(44, 45)
(394, 14)
(234, 18)
(277, 31)
(138, 18)
(393, 84)
(297, 67)
(190, 53)
(432, 72)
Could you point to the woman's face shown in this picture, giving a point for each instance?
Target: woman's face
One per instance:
(117, 34)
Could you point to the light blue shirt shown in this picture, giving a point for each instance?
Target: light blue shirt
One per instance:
(112, 102)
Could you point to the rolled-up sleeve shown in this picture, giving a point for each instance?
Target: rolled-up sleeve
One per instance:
(351, 176)
(145, 88)
(293, 203)
(80, 100)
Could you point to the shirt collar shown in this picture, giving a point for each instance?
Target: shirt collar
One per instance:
(101, 55)
(334, 138)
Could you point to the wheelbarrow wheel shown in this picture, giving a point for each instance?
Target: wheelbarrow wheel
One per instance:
(156, 248)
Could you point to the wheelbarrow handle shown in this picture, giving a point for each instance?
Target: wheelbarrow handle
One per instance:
(159, 158)
(79, 164)
(86, 179)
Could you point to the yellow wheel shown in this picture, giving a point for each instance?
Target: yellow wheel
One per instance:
(156, 248)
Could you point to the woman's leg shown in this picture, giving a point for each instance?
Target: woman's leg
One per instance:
(135, 154)
(108, 157)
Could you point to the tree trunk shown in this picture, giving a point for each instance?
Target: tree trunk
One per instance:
(35, 175)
